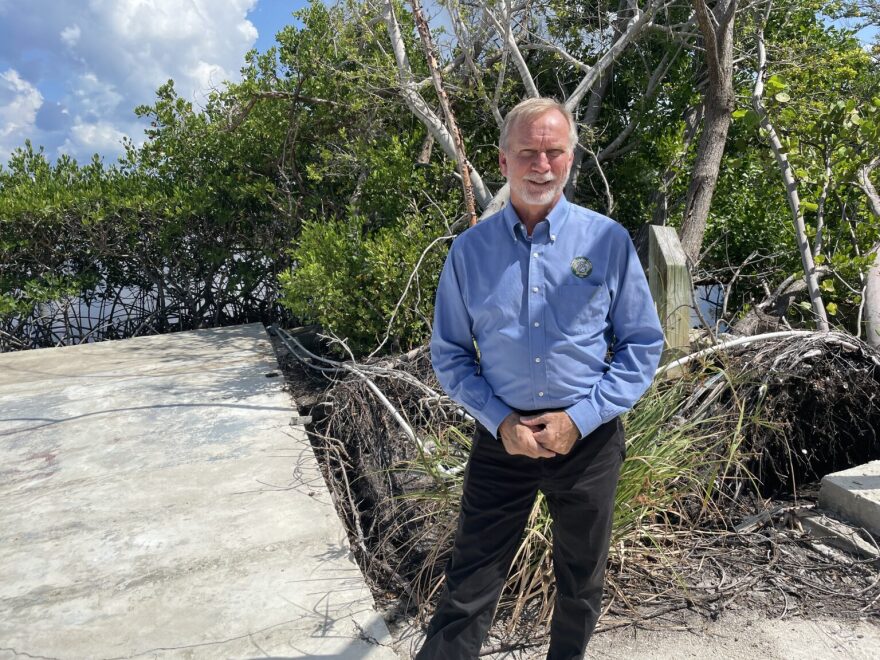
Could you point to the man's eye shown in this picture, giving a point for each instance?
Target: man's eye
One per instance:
(555, 153)
(527, 153)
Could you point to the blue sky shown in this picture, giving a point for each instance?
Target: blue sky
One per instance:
(72, 72)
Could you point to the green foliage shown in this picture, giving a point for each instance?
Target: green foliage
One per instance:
(351, 281)
(820, 96)
(301, 176)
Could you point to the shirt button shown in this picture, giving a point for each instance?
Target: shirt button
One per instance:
(535, 255)
(552, 237)
(537, 325)
(537, 359)
(540, 394)
(534, 289)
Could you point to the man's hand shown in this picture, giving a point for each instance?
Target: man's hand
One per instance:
(518, 439)
(553, 430)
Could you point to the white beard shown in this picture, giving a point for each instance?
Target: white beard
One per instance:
(542, 197)
(538, 198)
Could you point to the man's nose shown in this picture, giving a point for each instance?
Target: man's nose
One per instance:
(541, 162)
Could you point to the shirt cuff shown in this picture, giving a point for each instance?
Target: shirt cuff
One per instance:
(492, 414)
(585, 417)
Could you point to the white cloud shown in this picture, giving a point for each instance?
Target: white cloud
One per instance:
(155, 40)
(19, 103)
(95, 97)
(98, 137)
(71, 34)
(206, 75)
(95, 61)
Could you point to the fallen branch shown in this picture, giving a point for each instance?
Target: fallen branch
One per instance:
(293, 345)
(739, 341)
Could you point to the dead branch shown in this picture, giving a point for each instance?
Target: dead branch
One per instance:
(451, 123)
(417, 105)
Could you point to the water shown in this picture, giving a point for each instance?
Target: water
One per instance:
(709, 298)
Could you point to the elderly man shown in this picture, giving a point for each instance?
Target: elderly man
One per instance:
(529, 302)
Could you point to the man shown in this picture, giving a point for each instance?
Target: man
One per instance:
(542, 289)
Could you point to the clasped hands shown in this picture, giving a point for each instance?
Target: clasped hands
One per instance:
(538, 436)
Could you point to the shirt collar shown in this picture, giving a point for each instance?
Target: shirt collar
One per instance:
(555, 219)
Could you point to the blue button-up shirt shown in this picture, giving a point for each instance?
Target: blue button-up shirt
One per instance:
(525, 323)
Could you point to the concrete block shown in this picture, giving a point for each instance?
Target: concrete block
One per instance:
(156, 502)
(854, 494)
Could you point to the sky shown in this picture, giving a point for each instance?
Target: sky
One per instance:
(72, 71)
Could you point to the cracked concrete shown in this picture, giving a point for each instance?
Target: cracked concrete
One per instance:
(156, 503)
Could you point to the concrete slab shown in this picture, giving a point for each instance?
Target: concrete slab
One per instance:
(854, 494)
(155, 502)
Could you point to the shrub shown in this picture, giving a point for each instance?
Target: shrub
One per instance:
(364, 286)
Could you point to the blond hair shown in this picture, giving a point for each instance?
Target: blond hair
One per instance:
(532, 109)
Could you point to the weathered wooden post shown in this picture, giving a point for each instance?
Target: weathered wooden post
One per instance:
(671, 288)
(872, 302)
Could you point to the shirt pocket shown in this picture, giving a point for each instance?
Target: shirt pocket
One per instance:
(581, 308)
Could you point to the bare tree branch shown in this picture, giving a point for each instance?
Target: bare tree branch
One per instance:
(511, 46)
(420, 108)
(463, 165)
(637, 24)
(871, 296)
(465, 40)
(818, 243)
(791, 188)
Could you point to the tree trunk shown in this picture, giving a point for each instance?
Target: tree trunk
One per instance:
(717, 30)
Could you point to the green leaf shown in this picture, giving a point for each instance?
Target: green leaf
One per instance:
(752, 119)
(831, 308)
(775, 84)
(827, 285)
(782, 97)
(810, 206)
(739, 114)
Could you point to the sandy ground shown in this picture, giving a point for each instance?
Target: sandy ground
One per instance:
(747, 636)
(739, 635)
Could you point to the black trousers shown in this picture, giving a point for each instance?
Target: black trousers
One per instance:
(499, 492)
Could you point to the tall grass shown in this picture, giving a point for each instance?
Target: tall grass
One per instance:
(675, 468)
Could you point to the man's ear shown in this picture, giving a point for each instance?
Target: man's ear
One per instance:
(502, 162)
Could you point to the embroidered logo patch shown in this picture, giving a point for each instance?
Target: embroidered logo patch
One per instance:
(581, 267)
